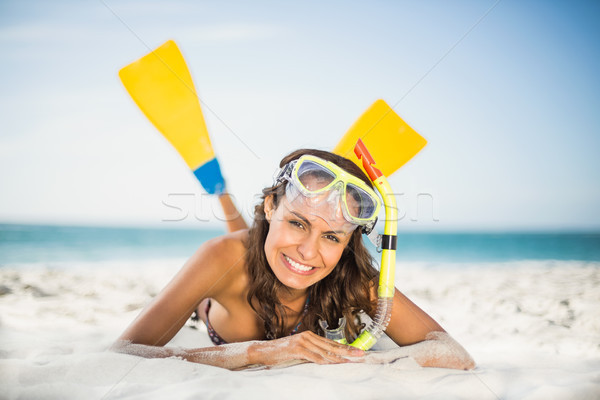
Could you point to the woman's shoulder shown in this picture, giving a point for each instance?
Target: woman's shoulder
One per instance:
(220, 260)
(224, 248)
(231, 238)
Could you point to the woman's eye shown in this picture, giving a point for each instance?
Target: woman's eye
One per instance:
(332, 238)
(297, 224)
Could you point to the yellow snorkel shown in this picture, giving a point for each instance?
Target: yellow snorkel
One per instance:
(386, 289)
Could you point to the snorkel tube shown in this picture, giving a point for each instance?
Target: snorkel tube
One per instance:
(386, 289)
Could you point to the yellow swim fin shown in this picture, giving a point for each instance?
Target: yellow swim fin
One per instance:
(161, 85)
(389, 139)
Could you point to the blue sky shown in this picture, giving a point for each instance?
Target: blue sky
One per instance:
(507, 94)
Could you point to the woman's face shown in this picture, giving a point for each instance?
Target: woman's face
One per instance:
(303, 247)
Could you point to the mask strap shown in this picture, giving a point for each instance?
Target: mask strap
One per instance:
(375, 238)
(285, 172)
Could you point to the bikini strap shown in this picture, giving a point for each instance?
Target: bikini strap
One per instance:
(295, 330)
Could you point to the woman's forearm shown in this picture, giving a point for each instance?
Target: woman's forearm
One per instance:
(231, 356)
(437, 350)
(440, 350)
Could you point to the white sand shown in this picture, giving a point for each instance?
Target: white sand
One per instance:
(532, 327)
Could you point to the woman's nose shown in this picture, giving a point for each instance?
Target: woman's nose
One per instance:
(309, 247)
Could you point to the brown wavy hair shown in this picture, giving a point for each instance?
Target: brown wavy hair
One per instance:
(344, 292)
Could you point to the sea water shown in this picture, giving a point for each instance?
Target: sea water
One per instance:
(498, 247)
(29, 244)
(51, 244)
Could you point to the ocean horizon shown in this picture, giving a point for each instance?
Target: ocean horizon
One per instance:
(23, 243)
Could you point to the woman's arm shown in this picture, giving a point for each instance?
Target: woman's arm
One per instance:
(300, 348)
(230, 356)
(423, 339)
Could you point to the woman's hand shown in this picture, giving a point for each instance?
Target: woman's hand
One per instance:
(303, 347)
(437, 350)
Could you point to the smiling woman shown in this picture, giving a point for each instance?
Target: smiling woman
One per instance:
(303, 260)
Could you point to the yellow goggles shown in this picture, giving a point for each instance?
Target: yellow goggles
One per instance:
(312, 176)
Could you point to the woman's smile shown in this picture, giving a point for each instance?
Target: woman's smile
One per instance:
(297, 267)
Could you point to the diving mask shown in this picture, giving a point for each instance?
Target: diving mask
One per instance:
(323, 183)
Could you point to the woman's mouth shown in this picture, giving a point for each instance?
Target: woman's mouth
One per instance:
(297, 267)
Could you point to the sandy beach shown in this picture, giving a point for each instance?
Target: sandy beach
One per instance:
(533, 328)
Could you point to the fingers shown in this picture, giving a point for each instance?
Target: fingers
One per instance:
(317, 349)
(305, 346)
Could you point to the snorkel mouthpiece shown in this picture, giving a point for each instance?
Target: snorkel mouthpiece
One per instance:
(336, 334)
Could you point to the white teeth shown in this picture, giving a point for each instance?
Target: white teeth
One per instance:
(300, 267)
